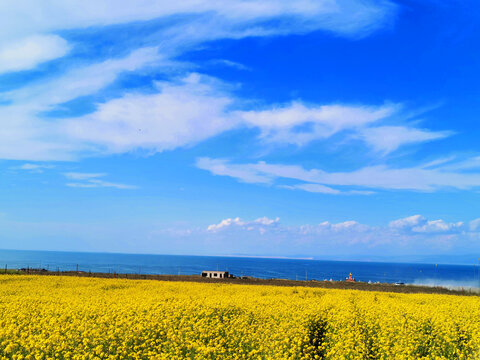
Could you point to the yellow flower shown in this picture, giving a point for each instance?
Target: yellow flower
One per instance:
(86, 318)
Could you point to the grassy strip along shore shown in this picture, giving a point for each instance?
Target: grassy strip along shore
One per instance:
(383, 287)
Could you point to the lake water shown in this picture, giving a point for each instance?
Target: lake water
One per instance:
(427, 274)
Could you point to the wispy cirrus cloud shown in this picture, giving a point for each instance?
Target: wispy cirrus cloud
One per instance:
(91, 180)
(299, 124)
(386, 139)
(322, 189)
(31, 134)
(97, 183)
(29, 37)
(185, 110)
(83, 176)
(342, 16)
(27, 53)
(382, 177)
(198, 107)
(229, 63)
(182, 113)
(35, 168)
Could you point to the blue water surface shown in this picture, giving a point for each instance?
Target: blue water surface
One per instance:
(266, 268)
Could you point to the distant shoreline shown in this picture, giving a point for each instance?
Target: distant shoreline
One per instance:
(343, 285)
(470, 262)
(263, 257)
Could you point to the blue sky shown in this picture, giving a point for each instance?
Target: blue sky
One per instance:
(330, 129)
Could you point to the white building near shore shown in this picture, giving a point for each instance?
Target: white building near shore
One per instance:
(216, 274)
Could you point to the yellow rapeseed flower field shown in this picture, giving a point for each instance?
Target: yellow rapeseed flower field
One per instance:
(47, 317)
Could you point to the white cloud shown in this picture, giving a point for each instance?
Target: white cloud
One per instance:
(314, 188)
(467, 164)
(90, 180)
(185, 112)
(371, 177)
(196, 108)
(334, 240)
(299, 124)
(411, 234)
(259, 224)
(27, 53)
(474, 225)
(419, 224)
(346, 225)
(36, 168)
(386, 139)
(28, 27)
(83, 176)
(225, 223)
(322, 189)
(26, 136)
(348, 17)
(408, 222)
(266, 221)
(96, 183)
(240, 172)
(326, 228)
(80, 81)
(29, 34)
(181, 114)
(232, 64)
(439, 226)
